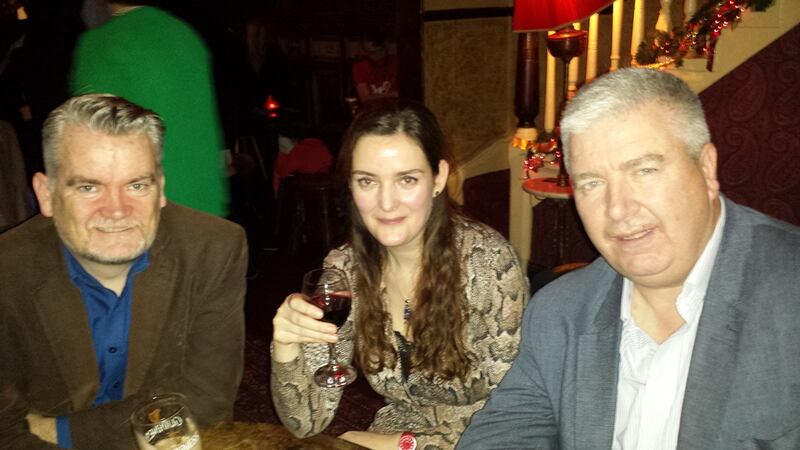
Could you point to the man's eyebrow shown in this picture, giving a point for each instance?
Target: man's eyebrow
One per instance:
(584, 176)
(72, 181)
(78, 179)
(650, 157)
(148, 177)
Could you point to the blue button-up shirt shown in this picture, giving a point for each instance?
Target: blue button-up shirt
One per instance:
(109, 319)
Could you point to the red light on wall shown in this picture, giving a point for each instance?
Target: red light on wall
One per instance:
(272, 106)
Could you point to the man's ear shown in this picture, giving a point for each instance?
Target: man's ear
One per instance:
(163, 197)
(708, 164)
(41, 186)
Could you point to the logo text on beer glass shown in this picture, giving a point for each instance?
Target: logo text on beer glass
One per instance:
(162, 426)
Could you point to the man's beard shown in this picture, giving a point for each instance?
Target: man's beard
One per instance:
(145, 242)
(119, 260)
(95, 257)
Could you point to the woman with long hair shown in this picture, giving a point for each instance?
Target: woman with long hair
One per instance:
(437, 297)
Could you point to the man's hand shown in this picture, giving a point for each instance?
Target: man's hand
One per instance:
(43, 427)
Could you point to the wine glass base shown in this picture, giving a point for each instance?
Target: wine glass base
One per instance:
(334, 376)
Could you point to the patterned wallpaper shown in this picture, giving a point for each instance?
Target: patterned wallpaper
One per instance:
(486, 198)
(754, 116)
(469, 80)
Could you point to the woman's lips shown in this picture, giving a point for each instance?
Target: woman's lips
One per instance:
(392, 221)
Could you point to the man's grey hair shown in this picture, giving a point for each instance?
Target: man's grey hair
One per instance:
(102, 113)
(625, 91)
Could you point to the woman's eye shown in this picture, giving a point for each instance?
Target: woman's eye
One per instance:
(408, 180)
(364, 182)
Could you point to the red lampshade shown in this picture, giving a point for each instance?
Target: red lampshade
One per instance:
(536, 15)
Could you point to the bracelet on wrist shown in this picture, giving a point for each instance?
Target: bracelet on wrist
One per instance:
(407, 441)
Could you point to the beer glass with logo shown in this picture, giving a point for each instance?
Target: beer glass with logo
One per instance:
(165, 422)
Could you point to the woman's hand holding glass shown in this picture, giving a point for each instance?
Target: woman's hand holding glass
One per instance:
(326, 293)
(299, 322)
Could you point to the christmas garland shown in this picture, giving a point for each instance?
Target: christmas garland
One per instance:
(699, 34)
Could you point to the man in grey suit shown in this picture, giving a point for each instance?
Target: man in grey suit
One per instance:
(686, 332)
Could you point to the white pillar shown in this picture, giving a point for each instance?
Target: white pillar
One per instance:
(616, 33)
(591, 49)
(637, 33)
(550, 94)
(574, 65)
(664, 17)
(690, 7)
(520, 212)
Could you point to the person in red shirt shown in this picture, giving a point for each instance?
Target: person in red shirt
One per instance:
(375, 76)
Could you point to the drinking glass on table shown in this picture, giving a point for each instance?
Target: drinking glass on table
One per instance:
(327, 289)
(164, 422)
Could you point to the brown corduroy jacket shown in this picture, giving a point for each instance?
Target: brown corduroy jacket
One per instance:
(186, 334)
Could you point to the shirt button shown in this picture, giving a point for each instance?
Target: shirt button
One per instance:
(112, 349)
(116, 385)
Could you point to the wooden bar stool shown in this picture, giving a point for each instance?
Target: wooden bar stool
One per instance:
(314, 217)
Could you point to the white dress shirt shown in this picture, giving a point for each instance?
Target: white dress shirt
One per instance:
(652, 377)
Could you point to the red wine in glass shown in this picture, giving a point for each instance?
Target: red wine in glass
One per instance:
(328, 290)
(336, 307)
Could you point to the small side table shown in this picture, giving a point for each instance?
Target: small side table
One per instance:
(542, 188)
(547, 188)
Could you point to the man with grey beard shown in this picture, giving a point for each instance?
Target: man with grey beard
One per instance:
(113, 294)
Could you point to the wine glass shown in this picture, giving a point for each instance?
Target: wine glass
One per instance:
(165, 422)
(328, 290)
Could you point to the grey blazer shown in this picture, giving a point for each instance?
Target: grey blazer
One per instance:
(743, 390)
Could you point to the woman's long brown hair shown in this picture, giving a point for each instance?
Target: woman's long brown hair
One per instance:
(440, 315)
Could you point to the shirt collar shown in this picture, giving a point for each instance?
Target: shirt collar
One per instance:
(80, 276)
(691, 298)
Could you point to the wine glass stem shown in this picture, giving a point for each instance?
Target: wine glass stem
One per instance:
(332, 355)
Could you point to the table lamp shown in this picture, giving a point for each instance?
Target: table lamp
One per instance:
(566, 43)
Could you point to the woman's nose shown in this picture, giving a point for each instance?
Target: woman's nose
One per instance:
(387, 197)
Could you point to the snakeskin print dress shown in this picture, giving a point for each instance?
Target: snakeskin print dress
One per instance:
(436, 410)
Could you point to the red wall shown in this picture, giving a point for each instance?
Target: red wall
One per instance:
(486, 198)
(754, 116)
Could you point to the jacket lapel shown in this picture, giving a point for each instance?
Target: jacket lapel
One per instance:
(598, 364)
(715, 348)
(153, 292)
(63, 316)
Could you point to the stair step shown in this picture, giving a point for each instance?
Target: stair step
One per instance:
(755, 31)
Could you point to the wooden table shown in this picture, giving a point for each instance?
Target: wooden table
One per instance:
(544, 187)
(547, 189)
(266, 436)
(557, 234)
